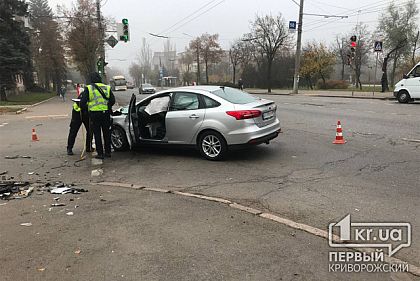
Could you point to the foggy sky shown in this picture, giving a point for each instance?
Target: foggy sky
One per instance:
(230, 19)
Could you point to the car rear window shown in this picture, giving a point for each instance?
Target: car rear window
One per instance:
(234, 95)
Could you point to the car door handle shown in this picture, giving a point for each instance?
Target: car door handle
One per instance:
(194, 116)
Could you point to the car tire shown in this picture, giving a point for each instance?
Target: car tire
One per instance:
(212, 145)
(403, 96)
(118, 139)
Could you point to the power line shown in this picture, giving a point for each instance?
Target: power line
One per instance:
(204, 12)
(186, 17)
(355, 12)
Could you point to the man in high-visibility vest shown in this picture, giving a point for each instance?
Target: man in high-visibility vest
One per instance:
(99, 101)
(79, 116)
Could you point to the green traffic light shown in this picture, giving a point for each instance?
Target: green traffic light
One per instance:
(125, 21)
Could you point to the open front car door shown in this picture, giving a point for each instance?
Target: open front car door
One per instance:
(133, 120)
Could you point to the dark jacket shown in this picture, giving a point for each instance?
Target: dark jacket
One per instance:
(84, 99)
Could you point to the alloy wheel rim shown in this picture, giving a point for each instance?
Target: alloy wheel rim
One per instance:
(116, 138)
(211, 146)
(403, 96)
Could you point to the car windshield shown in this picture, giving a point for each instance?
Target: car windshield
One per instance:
(120, 82)
(234, 95)
(147, 85)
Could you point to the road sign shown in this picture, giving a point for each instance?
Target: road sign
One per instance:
(292, 25)
(112, 41)
(378, 46)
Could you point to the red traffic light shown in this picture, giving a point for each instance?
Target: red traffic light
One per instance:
(353, 44)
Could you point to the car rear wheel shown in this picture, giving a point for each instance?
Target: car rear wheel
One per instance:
(403, 96)
(118, 139)
(212, 145)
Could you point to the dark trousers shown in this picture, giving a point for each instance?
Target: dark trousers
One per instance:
(76, 121)
(101, 122)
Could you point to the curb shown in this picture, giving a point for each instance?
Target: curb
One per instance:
(22, 110)
(41, 102)
(33, 105)
(412, 269)
(326, 96)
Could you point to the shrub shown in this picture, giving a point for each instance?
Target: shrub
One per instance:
(332, 84)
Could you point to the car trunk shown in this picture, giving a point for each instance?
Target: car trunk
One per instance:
(268, 111)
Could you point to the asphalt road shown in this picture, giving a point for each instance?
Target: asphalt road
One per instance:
(300, 175)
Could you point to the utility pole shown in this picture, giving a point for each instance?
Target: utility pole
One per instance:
(298, 47)
(101, 39)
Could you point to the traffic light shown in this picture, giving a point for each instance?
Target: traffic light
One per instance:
(353, 43)
(126, 33)
(101, 63)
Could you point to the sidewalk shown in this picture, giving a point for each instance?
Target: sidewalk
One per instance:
(326, 93)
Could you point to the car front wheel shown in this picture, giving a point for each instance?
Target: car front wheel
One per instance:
(212, 145)
(118, 139)
(403, 96)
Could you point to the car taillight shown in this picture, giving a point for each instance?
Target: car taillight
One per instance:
(244, 114)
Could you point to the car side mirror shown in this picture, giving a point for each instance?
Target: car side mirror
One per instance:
(405, 76)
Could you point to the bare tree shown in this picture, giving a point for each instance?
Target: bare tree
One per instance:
(362, 51)
(235, 57)
(211, 51)
(135, 71)
(269, 34)
(340, 50)
(196, 47)
(83, 36)
(187, 60)
(145, 61)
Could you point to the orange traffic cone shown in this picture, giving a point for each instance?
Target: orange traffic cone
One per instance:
(339, 139)
(34, 136)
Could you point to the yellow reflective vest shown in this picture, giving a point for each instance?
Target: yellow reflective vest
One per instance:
(96, 101)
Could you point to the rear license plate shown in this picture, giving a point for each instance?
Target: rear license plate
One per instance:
(268, 115)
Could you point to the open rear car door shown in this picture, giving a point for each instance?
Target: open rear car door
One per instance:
(133, 120)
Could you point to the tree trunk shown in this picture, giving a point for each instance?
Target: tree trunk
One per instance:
(309, 82)
(234, 74)
(3, 96)
(384, 79)
(342, 70)
(198, 67)
(207, 71)
(394, 67)
(270, 62)
(324, 83)
(413, 58)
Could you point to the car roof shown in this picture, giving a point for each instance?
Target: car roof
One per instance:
(206, 88)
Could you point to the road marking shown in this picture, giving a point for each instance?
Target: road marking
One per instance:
(47, 116)
(296, 225)
(411, 140)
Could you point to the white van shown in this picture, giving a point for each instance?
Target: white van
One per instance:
(408, 88)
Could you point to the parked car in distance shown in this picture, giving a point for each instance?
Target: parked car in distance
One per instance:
(147, 88)
(408, 89)
(209, 118)
(130, 85)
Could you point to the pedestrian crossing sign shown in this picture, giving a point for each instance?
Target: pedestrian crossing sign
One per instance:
(378, 46)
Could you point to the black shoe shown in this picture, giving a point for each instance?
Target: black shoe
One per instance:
(70, 151)
(99, 156)
(108, 155)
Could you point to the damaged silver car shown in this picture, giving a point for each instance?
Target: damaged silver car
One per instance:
(209, 118)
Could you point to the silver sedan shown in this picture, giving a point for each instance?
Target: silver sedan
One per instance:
(210, 118)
